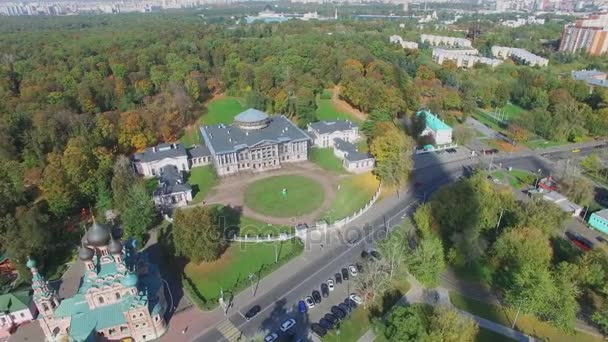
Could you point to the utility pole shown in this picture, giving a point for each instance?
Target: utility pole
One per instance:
(499, 218)
(251, 276)
(517, 314)
(585, 215)
(276, 254)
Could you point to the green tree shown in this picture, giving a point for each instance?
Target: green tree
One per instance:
(393, 153)
(139, 213)
(426, 262)
(198, 234)
(448, 325)
(591, 163)
(405, 324)
(123, 179)
(463, 134)
(58, 189)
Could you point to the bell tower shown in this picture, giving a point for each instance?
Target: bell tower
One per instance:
(46, 301)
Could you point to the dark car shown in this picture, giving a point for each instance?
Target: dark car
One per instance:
(601, 239)
(364, 255)
(252, 312)
(302, 307)
(376, 255)
(341, 314)
(579, 241)
(344, 274)
(324, 290)
(316, 296)
(490, 151)
(338, 277)
(333, 319)
(325, 324)
(351, 303)
(318, 330)
(345, 308)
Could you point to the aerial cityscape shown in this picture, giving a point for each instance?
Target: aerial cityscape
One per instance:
(303, 171)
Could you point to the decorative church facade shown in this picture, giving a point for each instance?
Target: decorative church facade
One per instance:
(121, 295)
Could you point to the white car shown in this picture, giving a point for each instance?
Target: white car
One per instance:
(352, 270)
(330, 284)
(271, 337)
(309, 302)
(288, 324)
(355, 298)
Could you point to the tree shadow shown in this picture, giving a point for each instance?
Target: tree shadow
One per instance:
(230, 220)
(281, 312)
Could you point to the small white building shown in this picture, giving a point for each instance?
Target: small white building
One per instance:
(172, 191)
(16, 308)
(341, 135)
(149, 162)
(439, 130)
(558, 199)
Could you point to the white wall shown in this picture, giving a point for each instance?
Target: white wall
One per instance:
(146, 168)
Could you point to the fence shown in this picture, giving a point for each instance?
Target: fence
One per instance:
(262, 238)
(348, 219)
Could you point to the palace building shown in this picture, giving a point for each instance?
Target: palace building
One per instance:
(121, 295)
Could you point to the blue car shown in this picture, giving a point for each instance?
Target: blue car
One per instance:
(302, 306)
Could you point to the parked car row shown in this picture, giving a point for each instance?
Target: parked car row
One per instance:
(337, 314)
(285, 326)
(579, 241)
(316, 297)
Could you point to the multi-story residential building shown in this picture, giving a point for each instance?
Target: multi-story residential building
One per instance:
(255, 142)
(519, 55)
(463, 58)
(341, 135)
(593, 78)
(435, 127)
(589, 34)
(121, 295)
(444, 40)
(16, 308)
(395, 39)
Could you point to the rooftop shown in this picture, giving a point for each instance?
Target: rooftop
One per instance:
(602, 213)
(585, 74)
(350, 151)
(433, 122)
(170, 181)
(232, 138)
(160, 152)
(199, 151)
(326, 127)
(15, 301)
(251, 115)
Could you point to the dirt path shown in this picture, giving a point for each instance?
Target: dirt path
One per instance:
(231, 191)
(343, 106)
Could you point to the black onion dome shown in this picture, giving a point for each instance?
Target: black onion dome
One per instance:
(98, 235)
(85, 253)
(115, 247)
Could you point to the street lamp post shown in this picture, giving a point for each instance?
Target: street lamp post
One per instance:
(276, 254)
(517, 314)
(251, 276)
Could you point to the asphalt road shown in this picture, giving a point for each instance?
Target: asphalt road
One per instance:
(281, 302)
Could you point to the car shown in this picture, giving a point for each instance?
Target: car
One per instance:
(576, 150)
(344, 274)
(302, 307)
(579, 241)
(352, 270)
(252, 312)
(351, 303)
(355, 298)
(345, 307)
(316, 296)
(310, 303)
(451, 150)
(325, 324)
(330, 284)
(364, 255)
(338, 277)
(490, 151)
(324, 290)
(341, 314)
(287, 324)
(318, 329)
(333, 319)
(375, 254)
(273, 336)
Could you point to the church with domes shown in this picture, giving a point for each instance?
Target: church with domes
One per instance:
(121, 294)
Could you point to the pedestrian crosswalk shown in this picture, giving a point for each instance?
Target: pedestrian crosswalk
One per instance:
(230, 332)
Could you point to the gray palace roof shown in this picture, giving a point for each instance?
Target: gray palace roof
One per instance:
(224, 139)
(160, 152)
(170, 181)
(350, 150)
(325, 127)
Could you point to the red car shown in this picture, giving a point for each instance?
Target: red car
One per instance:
(579, 241)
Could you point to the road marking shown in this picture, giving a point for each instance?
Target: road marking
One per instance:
(230, 332)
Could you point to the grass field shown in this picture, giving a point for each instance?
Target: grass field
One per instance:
(525, 323)
(325, 158)
(202, 179)
(222, 110)
(485, 335)
(326, 111)
(303, 196)
(542, 143)
(230, 273)
(252, 227)
(520, 178)
(354, 192)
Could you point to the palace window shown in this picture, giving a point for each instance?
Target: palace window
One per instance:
(100, 300)
(117, 295)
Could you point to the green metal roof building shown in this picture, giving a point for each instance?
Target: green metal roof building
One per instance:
(435, 127)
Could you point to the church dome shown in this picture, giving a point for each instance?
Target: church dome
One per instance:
(98, 235)
(85, 253)
(130, 280)
(31, 263)
(115, 247)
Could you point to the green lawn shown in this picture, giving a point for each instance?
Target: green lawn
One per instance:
(253, 227)
(202, 179)
(325, 158)
(218, 111)
(326, 111)
(266, 197)
(230, 273)
(485, 119)
(485, 335)
(520, 178)
(525, 323)
(542, 143)
(354, 192)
